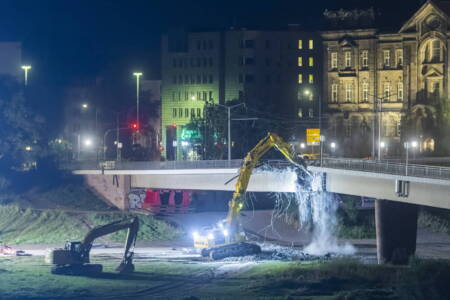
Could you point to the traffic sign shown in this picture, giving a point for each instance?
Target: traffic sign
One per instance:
(313, 136)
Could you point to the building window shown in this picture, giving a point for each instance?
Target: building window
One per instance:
(211, 45)
(300, 44)
(334, 60)
(435, 51)
(205, 95)
(300, 78)
(267, 44)
(241, 78)
(386, 91)
(174, 113)
(199, 112)
(311, 113)
(348, 59)
(180, 112)
(300, 61)
(192, 113)
(186, 112)
(348, 92)
(311, 44)
(365, 92)
(311, 61)
(247, 44)
(387, 58)
(365, 58)
(348, 129)
(210, 79)
(334, 92)
(210, 95)
(399, 57)
(249, 78)
(211, 62)
(400, 91)
(311, 78)
(399, 128)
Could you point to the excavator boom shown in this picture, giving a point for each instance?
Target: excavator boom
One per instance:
(233, 237)
(74, 258)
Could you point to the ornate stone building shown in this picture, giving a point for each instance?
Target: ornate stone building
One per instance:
(398, 80)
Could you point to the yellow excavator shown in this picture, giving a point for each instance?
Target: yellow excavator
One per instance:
(227, 238)
(74, 258)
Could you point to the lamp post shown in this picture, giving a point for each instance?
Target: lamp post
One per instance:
(26, 68)
(413, 145)
(138, 75)
(229, 108)
(117, 136)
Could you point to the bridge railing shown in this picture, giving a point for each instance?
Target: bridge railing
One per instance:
(152, 165)
(387, 167)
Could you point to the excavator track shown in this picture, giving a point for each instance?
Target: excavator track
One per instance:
(231, 250)
(78, 270)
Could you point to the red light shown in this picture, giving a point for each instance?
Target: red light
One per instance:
(134, 126)
(174, 125)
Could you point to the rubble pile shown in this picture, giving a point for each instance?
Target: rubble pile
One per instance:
(275, 252)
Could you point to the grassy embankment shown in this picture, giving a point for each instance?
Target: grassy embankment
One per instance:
(67, 212)
(339, 279)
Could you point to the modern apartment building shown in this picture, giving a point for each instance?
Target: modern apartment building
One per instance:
(275, 67)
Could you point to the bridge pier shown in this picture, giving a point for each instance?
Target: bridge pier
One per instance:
(396, 229)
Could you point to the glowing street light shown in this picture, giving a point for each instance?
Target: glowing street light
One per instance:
(193, 98)
(383, 145)
(84, 106)
(414, 144)
(88, 142)
(307, 92)
(28, 148)
(302, 145)
(26, 68)
(333, 145)
(137, 74)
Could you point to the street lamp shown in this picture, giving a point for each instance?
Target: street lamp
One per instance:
(84, 106)
(138, 75)
(302, 145)
(333, 146)
(412, 144)
(26, 68)
(229, 108)
(88, 142)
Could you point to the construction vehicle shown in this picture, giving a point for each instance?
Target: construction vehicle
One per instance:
(74, 258)
(227, 238)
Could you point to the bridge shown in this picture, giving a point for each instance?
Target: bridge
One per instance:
(398, 187)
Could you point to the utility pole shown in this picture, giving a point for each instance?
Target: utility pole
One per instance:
(229, 108)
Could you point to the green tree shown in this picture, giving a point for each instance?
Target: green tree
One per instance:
(21, 140)
(207, 135)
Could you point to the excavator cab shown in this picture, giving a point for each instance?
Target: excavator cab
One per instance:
(73, 259)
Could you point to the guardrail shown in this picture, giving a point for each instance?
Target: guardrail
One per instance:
(387, 167)
(152, 165)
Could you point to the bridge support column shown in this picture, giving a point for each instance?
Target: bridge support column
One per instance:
(396, 228)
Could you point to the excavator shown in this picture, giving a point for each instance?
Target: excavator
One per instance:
(74, 258)
(227, 239)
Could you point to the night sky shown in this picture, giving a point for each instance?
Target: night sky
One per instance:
(67, 40)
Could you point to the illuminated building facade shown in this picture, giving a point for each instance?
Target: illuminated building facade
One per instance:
(281, 68)
(398, 76)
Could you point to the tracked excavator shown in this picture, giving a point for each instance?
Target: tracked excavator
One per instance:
(74, 258)
(227, 239)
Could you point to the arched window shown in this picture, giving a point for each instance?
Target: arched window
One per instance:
(432, 51)
(435, 51)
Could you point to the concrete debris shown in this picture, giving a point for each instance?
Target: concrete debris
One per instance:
(275, 252)
(9, 251)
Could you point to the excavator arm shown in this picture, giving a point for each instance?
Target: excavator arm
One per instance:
(74, 258)
(251, 160)
(233, 242)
